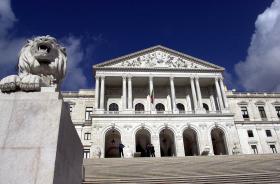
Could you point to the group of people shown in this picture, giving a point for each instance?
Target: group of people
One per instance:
(150, 150)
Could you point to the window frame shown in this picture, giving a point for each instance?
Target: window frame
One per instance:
(262, 112)
(244, 112)
(88, 113)
(87, 136)
(71, 108)
(255, 149)
(181, 111)
(113, 108)
(86, 153)
(138, 108)
(250, 133)
(277, 111)
(274, 150)
(268, 133)
(161, 110)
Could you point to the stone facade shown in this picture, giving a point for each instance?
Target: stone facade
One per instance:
(174, 101)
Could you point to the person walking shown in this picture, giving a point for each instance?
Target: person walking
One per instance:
(152, 149)
(121, 146)
(148, 150)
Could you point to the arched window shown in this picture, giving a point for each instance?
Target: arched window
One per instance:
(181, 108)
(160, 108)
(205, 106)
(113, 107)
(139, 108)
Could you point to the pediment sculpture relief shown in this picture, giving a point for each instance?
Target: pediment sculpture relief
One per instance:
(159, 59)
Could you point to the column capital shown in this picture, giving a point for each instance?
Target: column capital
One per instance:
(123, 77)
(196, 78)
(97, 76)
(217, 78)
(151, 77)
(102, 76)
(171, 77)
(191, 77)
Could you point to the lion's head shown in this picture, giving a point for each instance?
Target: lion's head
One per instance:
(43, 56)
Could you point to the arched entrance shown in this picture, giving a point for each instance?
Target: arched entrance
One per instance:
(142, 139)
(167, 143)
(112, 141)
(218, 141)
(190, 142)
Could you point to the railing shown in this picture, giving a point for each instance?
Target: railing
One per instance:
(181, 112)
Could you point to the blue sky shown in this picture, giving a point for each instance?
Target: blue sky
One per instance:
(240, 35)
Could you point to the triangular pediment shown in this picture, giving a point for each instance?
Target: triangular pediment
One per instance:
(159, 57)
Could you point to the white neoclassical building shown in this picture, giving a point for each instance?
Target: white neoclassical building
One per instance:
(174, 101)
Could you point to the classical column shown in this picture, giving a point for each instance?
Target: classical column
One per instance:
(180, 150)
(223, 93)
(218, 90)
(102, 90)
(129, 93)
(124, 93)
(193, 93)
(173, 96)
(198, 93)
(151, 88)
(96, 92)
(189, 108)
(212, 100)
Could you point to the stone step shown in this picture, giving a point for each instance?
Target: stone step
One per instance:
(257, 178)
(182, 169)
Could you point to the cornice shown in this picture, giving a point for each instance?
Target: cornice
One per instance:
(159, 115)
(76, 95)
(256, 122)
(252, 95)
(122, 69)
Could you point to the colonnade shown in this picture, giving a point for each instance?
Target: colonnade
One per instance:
(127, 102)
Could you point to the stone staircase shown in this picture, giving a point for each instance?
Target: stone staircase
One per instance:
(196, 169)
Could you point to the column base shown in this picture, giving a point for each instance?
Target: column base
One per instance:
(128, 111)
(99, 111)
(225, 111)
(200, 111)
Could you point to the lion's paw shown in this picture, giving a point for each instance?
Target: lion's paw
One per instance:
(9, 83)
(30, 83)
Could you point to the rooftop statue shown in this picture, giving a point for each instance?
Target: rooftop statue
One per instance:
(42, 63)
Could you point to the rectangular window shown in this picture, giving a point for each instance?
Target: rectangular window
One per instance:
(268, 133)
(273, 148)
(250, 133)
(255, 149)
(87, 136)
(86, 153)
(89, 111)
(244, 112)
(262, 112)
(277, 108)
(70, 108)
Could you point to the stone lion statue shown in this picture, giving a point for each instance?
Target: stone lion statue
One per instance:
(42, 63)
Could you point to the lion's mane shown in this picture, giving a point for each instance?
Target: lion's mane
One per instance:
(27, 62)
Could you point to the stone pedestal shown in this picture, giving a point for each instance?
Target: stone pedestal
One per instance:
(38, 142)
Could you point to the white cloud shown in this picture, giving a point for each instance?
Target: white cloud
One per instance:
(261, 69)
(75, 78)
(7, 17)
(10, 46)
